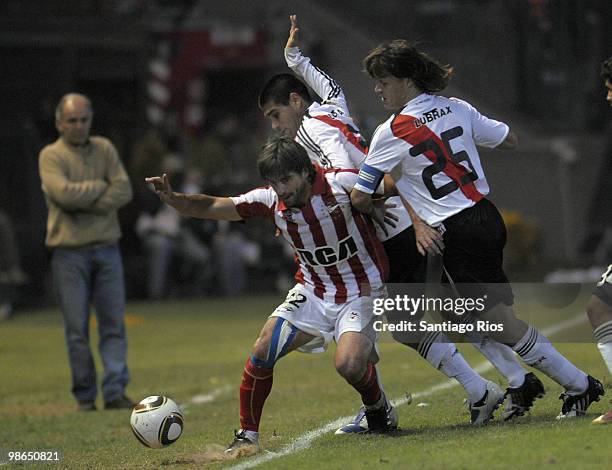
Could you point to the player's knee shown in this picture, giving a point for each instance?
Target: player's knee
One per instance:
(273, 343)
(351, 368)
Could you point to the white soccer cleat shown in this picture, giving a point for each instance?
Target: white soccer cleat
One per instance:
(481, 412)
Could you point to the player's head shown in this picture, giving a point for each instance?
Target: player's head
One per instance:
(606, 74)
(73, 116)
(401, 72)
(284, 100)
(285, 165)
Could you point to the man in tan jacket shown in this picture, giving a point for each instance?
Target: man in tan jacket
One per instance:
(84, 184)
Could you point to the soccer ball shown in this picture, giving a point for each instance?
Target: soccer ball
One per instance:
(157, 422)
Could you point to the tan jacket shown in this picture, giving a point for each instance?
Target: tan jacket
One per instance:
(84, 187)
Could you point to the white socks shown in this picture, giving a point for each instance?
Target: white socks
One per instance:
(453, 365)
(603, 335)
(504, 360)
(537, 351)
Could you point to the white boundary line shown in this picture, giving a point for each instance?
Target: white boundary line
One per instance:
(305, 440)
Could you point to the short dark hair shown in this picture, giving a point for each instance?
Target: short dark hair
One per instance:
(402, 60)
(278, 88)
(280, 156)
(606, 69)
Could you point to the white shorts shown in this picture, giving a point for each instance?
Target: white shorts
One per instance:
(326, 321)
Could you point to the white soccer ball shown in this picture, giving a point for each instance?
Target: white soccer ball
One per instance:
(157, 422)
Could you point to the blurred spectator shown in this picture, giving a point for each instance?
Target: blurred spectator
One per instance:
(11, 273)
(170, 239)
(84, 184)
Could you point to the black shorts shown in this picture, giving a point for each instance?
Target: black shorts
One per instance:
(474, 242)
(406, 264)
(604, 287)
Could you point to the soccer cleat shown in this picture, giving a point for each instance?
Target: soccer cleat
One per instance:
(603, 419)
(242, 445)
(359, 425)
(481, 412)
(382, 420)
(520, 399)
(576, 405)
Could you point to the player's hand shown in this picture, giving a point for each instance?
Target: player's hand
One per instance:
(292, 41)
(428, 239)
(382, 216)
(162, 187)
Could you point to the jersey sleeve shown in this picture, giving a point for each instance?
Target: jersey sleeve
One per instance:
(259, 202)
(386, 152)
(322, 84)
(329, 143)
(485, 131)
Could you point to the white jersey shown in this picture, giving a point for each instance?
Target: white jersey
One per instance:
(329, 134)
(338, 254)
(432, 142)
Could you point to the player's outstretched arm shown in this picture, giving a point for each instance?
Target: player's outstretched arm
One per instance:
(322, 84)
(292, 40)
(201, 206)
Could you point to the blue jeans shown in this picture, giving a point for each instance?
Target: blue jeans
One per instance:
(93, 274)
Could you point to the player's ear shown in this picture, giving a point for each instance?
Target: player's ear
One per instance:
(296, 101)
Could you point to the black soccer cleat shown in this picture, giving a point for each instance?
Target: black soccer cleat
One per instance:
(381, 420)
(576, 405)
(520, 399)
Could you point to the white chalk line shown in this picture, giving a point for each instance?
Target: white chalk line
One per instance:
(305, 440)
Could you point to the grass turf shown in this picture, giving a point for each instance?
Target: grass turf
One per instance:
(194, 351)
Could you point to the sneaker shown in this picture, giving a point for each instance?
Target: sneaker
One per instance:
(242, 445)
(86, 406)
(520, 399)
(481, 412)
(576, 405)
(359, 425)
(382, 420)
(603, 419)
(123, 402)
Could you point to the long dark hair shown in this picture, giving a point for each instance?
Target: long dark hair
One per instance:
(402, 60)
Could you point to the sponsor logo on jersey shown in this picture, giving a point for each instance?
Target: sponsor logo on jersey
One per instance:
(432, 115)
(328, 255)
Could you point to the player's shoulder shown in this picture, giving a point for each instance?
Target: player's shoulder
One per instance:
(459, 103)
(385, 130)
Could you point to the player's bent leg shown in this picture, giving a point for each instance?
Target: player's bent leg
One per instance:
(537, 351)
(351, 360)
(600, 315)
(277, 338)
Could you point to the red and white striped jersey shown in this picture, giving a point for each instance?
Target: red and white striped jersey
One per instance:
(329, 134)
(433, 141)
(338, 254)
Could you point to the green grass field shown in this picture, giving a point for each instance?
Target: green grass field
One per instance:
(194, 351)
